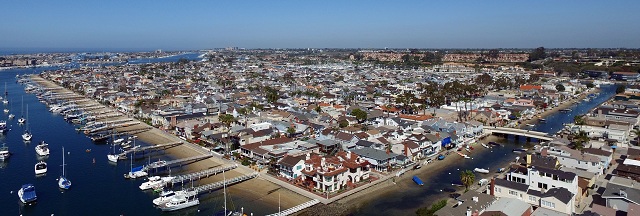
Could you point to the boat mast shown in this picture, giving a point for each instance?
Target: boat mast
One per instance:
(224, 191)
(62, 160)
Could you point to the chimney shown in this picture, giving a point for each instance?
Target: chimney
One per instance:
(308, 156)
(322, 162)
(468, 211)
(438, 135)
(528, 159)
(475, 213)
(348, 154)
(492, 187)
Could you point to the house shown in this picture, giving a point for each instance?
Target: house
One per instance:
(575, 159)
(290, 167)
(629, 168)
(346, 140)
(470, 203)
(621, 194)
(333, 173)
(379, 160)
(557, 198)
(626, 115)
(508, 207)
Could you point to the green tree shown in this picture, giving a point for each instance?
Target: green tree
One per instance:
(580, 139)
(560, 87)
(359, 114)
(318, 109)
(291, 131)
(620, 89)
(343, 124)
(590, 85)
(578, 120)
(637, 133)
(467, 178)
(538, 53)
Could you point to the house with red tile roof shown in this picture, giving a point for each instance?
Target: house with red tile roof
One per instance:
(333, 173)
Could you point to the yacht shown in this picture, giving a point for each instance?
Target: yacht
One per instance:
(164, 197)
(41, 168)
(480, 170)
(3, 126)
(180, 201)
(27, 193)
(42, 149)
(63, 182)
(155, 181)
(4, 152)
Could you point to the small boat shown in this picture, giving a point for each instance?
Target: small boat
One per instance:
(4, 152)
(118, 141)
(531, 125)
(88, 150)
(480, 170)
(27, 193)
(565, 110)
(42, 149)
(417, 166)
(63, 182)
(41, 168)
(501, 170)
(519, 150)
(483, 182)
(485, 145)
(463, 155)
(494, 144)
(417, 180)
(467, 149)
(542, 120)
(440, 157)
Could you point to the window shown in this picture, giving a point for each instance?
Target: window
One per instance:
(541, 185)
(498, 190)
(513, 193)
(532, 198)
(547, 204)
(299, 167)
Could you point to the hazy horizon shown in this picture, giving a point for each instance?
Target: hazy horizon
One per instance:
(151, 25)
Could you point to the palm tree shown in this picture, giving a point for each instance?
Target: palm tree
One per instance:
(580, 139)
(578, 120)
(637, 133)
(467, 178)
(226, 120)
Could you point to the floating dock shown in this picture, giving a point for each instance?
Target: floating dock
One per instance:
(133, 151)
(220, 184)
(154, 166)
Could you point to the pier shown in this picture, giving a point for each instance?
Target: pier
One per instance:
(180, 161)
(133, 151)
(181, 179)
(220, 184)
(297, 208)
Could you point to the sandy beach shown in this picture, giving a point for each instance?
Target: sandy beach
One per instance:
(257, 191)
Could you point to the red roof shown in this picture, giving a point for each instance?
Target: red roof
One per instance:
(530, 87)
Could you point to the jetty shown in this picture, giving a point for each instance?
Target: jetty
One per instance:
(171, 163)
(297, 208)
(133, 151)
(181, 179)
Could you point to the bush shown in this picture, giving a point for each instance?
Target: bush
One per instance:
(426, 211)
(245, 161)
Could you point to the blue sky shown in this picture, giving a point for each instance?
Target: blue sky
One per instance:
(175, 25)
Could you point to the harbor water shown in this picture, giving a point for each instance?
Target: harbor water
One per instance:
(409, 197)
(97, 188)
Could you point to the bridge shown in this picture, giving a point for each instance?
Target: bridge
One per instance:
(518, 132)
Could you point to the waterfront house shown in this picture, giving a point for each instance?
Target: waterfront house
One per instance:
(333, 173)
(380, 160)
(627, 115)
(576, 159)
(290, 167)
(557, 199)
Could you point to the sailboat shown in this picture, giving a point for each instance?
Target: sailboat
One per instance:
(5, 100)
(11, 115)
(26, 136)
(21, 120)
(63, 182)
(113, 157)
(226, 212)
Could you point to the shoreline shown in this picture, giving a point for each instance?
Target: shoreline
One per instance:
(256, 193)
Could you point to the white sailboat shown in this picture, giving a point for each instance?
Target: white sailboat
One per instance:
(21, 120)
(11, 115)
(63, 182)
(113, 157)
(5, 100)
(26, 136)
(42, 149)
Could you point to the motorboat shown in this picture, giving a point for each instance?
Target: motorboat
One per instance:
(155, 181)
(480, 170)
(494, 144)
(4, 152)
(136, 172)
(113, 157)
(483, 182)
(463, 155)
(519, 150)
(26, 136)
(63, 182)
(180, 201)
(485, 145)
(417, 166)
(11, 116)
(440, 157)
(41, 168)
(42, 149)
(27, 193)
(3, 126)
(418, 181)
(164, 197)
